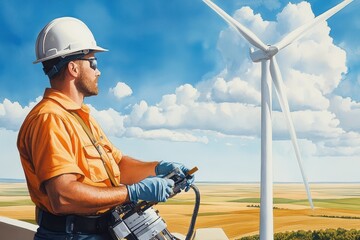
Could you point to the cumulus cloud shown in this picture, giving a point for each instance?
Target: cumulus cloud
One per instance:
(164, 134)
(228, 103)
(121, 90)
(312, 68)
(235, 90)
(12, 114)
(347, 111)
(182, 110)
(114, 124)
(312, 65)
(111, 121)
(347, 144)
(314, 125)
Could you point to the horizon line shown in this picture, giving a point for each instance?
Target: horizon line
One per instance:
(22, 180)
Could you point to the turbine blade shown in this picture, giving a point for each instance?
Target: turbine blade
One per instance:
(297, 33)
(280, 90)
(244, 31)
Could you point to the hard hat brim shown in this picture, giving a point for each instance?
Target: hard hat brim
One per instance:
(61, 54)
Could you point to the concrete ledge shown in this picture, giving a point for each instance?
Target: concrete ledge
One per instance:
(210, 234)
(12, 229)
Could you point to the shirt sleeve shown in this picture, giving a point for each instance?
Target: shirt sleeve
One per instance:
(52, 148)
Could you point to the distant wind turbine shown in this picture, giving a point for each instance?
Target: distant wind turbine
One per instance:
(266, 55)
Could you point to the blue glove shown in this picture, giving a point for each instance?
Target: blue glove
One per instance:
(164, 168)
(153, 189)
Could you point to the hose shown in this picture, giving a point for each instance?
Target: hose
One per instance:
(195, 212)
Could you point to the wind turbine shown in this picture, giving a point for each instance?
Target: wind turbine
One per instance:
(266, 55)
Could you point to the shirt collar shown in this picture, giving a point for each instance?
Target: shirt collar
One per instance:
(64, 100)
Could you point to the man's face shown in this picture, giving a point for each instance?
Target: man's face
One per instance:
(87, 82)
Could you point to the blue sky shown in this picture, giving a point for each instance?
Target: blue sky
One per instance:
(178, 83)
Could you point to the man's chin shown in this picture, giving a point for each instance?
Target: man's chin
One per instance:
(89, 94)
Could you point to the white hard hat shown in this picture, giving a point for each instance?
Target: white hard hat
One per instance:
(64, 37)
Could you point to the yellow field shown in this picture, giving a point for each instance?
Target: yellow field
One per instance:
(234, 207)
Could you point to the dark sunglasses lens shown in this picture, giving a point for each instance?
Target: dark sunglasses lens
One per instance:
(93, 64)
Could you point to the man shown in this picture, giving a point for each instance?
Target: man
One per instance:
(73, 172)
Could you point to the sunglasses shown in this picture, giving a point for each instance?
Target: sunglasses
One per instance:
(92, 61)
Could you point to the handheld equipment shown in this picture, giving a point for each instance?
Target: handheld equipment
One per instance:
(141, 221)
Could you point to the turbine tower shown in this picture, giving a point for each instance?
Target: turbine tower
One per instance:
(270, 71)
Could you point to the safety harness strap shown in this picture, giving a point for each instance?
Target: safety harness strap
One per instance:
(97, 147)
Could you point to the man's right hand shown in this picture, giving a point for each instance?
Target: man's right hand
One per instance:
(153, 189)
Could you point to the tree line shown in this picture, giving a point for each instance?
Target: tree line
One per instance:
(327, 234)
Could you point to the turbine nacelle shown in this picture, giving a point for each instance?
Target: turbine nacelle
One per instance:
(260, 55)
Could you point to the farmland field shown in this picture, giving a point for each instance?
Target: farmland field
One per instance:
(234, 207)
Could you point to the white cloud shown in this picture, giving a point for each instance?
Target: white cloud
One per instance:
(229, 103)
(347, 144)
(110, 120)
(347, 111)
(181, 111)
(235, 90)
(121, 90)
(186, 94)
(314, 125)
(312, 64)
(164, 134)
(303, 91)
(144, 115)
(293, 16)
(12, 114)
(312, 68)
(112, 123)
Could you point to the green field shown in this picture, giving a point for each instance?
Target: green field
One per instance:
(235, 208)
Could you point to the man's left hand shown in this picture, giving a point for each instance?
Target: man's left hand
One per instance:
(164, 168)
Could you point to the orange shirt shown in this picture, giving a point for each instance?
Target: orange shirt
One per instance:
(52, 142)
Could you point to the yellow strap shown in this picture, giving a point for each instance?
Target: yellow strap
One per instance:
(97, 147)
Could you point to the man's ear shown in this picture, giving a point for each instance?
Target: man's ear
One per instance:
(73, 69)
